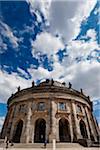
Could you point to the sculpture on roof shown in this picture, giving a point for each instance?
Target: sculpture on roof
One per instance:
(70, 85)
(52, 81)
(33, 84)
(81, 91)
(18, 89)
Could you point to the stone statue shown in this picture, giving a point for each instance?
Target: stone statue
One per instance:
(47, 80)
(18, 89)
(12, 94)
(88, 97)
(33, 84)
(70, 85)
(81, 91)
(52, 81)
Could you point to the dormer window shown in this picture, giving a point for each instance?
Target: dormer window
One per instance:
(62, 106)
(41, 106)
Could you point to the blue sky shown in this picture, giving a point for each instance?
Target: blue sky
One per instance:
(49, 39)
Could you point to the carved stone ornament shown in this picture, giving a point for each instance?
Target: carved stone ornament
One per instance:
(60, 115)
(80, 116)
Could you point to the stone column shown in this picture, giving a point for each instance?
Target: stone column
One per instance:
(57, 127)
(27, 127)
(96, 126)
(86, 123)
(78, 134)
(32, 130)
(53, 122)
(13, 122)
(90, 123)
(71, 128)
(47, 130)
(6, 126)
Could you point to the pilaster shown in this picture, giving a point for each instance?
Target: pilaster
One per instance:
(47, 130)
(27, 124)
(53, 122)
(32, 130)
(71, 128)
(90, 123)
(57, 127)
(86, 123)
(78, 134)
(13, 123)
(96, 126)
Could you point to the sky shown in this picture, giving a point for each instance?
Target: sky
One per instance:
(42, 39)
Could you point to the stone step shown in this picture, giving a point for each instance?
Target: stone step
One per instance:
(95, 145)
(49, 145)
(1, 142)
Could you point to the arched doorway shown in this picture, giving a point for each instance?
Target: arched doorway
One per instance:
(40, 131)
(83, 129)
(64, 130)
(18, 131)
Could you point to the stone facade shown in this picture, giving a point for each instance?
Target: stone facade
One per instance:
(49, 111)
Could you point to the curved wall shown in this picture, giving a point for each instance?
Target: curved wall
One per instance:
(49, 111)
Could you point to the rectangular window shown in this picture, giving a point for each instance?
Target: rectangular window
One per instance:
(41, 106)
(62, 106)
(79, 109)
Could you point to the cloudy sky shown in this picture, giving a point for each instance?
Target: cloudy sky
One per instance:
(56, 39)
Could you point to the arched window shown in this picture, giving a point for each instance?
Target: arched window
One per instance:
(64, 130)
(18, 132)
(41, 106)
(83, 129)
(40, 131)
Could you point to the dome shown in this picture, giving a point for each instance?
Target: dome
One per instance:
(48, 86)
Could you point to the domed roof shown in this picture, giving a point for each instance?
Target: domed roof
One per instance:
(50, 86)
(52, 82)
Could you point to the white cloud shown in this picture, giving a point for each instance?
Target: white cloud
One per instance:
(1, 122)
(80, 48)
(42, 5)
(64, 17)
(85, 75)
(39, 74)
(39, 18)
(97, 11)
(46, 43)
(82, 75)
(9, 84)
(92, 34)
(27, 29)
(22, 72)
(3, 46)
(6, 32)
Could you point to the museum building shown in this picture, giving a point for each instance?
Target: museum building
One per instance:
(49, 110)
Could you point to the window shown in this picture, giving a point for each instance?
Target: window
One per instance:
(79, 109)
(41, 106)
(62, 106)
(22, 108)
